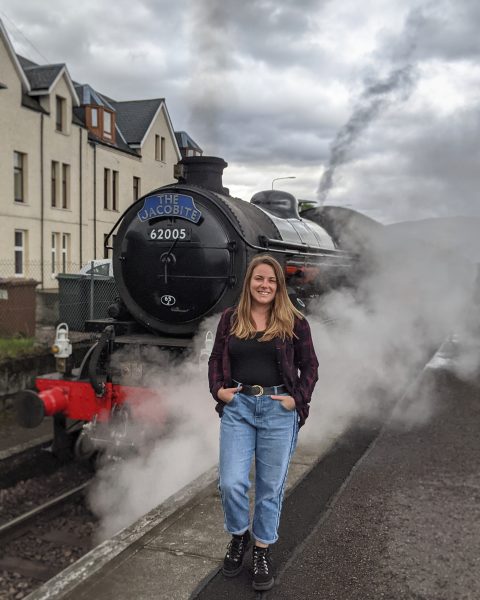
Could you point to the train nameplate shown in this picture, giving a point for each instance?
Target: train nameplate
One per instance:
(169, 205)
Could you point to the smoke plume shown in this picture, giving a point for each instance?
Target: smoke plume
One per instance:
(379, 94)
(372, 102)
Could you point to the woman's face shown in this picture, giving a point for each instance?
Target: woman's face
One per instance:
(263, 285)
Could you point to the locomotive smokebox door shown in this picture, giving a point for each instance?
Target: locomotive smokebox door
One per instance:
(182, 250)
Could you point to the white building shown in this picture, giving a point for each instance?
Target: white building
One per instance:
(71, 161)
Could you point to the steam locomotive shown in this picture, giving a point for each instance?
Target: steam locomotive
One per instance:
(179, 255)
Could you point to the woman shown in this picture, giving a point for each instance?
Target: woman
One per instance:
(262, 372)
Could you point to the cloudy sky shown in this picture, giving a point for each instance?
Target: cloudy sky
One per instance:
(372, 104)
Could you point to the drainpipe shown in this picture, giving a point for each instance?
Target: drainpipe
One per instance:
(94, 201)
(42, 199)
(80, 166)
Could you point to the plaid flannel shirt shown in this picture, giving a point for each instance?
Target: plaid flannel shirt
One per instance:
(296, 359)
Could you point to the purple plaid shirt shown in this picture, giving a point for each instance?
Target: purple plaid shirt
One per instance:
(296, 359)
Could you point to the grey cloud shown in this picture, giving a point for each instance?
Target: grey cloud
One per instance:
(429, 169)
(207, 57)
(447, 29)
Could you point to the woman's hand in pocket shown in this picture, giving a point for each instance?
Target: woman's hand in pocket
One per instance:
(226, 394)
(287, 402)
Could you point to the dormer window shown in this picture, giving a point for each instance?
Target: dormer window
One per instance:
(94, 117)
(107, 124)
(101, 122)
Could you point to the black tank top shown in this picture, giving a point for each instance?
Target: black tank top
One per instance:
(254, 362)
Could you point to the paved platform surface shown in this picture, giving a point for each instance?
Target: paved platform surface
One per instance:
(391, 516)
(407, 524)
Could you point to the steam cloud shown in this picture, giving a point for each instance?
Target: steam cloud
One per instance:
(186, 447)
(386, 330)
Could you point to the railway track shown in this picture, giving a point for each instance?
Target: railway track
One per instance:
(43, 541)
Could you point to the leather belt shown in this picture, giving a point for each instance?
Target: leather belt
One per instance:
(258, 390)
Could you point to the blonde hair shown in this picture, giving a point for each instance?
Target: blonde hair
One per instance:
(281, 320)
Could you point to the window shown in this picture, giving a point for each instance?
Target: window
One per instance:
(162, 149)
(136, 188)
(65, 185)
(54, 183)
(20, 244)
(19, 167)
(65, 251)
(101, 122)
(60, 253)
(110, 189)
(107, 124)
(114, 190)
(60, 113)
(106, 188)
(60, 192)
(157, 147)
(55, 237)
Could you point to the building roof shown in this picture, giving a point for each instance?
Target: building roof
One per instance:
(118, 145)
(88, 95)
(16, 64)
(185, 141)
(42, 77)
(32, 103)
(134, 117)
(25, 62)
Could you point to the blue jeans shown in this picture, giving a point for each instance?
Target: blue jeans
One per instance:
(262, 427)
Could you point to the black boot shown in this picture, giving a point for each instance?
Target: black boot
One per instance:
(262, 569)
(233, 561)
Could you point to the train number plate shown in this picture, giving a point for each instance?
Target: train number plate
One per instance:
(166, 234)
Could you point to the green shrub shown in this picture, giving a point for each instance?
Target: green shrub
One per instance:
(17, 346)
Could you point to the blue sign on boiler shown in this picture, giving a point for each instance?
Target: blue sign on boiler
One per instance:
(169, 205)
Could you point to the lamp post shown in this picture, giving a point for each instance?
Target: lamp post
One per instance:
(277, 178)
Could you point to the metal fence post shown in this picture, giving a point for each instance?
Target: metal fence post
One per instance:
(91, 289)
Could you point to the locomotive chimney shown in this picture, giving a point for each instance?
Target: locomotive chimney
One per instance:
(204, 171)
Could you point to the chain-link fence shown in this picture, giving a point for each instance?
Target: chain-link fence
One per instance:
(68, 296)
(83, 297)
(45, 273)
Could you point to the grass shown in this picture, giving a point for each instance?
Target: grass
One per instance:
(15, 347)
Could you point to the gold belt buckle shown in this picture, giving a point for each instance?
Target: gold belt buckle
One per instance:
(260, 393)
